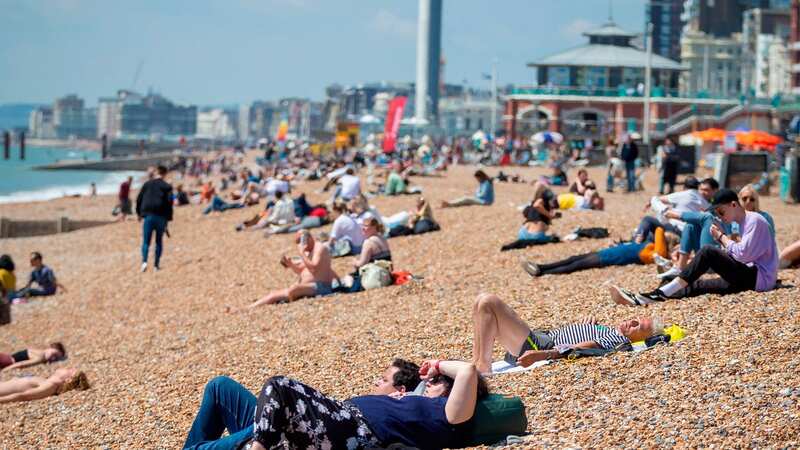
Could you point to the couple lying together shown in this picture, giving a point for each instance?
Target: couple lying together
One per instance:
(288, 412)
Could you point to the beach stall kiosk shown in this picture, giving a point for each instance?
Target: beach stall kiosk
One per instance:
(736, 170)
(790, 180)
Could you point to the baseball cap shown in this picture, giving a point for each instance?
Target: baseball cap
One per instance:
(723, 197)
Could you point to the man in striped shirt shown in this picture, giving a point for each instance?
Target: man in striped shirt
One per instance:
(496, 321)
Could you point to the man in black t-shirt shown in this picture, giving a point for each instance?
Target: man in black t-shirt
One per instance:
(154, 205)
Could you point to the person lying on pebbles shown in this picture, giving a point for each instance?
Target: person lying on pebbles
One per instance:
(32, 356)
(751, 263)
(314, 270)
(227, 404)
(23, 389)
(496, 321)
(622, 254)
(291, 414)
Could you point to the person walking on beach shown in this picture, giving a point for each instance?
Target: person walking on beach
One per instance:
(629, 152)
(125, 199)
(154, 206)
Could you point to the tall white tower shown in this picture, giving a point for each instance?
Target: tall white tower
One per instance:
(423, 60)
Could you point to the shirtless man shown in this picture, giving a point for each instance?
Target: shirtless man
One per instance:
(315, 272)
(33, 388)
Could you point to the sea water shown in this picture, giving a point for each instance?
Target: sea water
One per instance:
(20, 183)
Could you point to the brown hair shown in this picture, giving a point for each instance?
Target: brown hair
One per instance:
(60, 347)
(483, 386)
(340, 207)
(375, 223)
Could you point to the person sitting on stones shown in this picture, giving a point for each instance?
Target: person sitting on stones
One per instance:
(314, 270)
(751, 263)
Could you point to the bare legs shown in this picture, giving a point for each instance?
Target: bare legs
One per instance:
(790, 255)
(494, 320)
(290, 294)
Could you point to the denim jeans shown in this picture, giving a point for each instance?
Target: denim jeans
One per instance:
(220, 205)
(696, 233)
(226, 404)
(647, 228)
(630, 173)
(153, 224)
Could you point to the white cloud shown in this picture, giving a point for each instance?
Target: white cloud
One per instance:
(575, 28)
(388, 22)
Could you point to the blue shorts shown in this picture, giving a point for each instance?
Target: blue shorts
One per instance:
(323, 288)
(525, 235)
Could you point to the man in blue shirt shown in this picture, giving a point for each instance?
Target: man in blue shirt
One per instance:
(43, 277)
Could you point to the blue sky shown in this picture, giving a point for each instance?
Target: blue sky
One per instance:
(232, 51)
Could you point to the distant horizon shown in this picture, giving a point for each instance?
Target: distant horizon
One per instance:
(245, 50)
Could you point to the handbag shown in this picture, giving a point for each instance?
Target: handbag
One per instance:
(376, 275)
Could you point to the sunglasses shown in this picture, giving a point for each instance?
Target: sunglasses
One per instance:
(748, 199)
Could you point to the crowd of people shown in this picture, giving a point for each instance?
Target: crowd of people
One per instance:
(686, 234)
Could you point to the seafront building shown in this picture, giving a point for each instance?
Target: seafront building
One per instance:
(71, 119)
(666, 17)
(133, 116)
(597, 91)
(216, 124)
(40, 123)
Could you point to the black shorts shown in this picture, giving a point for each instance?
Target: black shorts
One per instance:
(536, 340)
(125, 206)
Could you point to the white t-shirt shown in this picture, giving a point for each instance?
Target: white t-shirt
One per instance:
(689, 200)
(282, 211)
(344, 227)
(274, 185)
(351, 186)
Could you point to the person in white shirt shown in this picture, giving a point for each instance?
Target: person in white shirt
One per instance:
(349, 185)
(694, 198)
(280, 213)
(275, 185)
(345, 229)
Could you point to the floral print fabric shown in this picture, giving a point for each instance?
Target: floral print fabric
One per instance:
(294, 414)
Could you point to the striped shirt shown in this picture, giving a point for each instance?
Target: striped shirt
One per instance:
(605, 337)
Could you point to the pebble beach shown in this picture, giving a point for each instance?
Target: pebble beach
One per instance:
(149, 342)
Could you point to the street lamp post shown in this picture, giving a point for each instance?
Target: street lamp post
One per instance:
(647, 85)
(493, 121)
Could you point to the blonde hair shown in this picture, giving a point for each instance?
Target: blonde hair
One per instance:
(752, 190)
(658, 326)
(76, 382)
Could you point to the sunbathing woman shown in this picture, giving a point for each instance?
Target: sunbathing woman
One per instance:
(375, 246)
(294, 414)
(33, 356)
(617, 255)
(33, 388)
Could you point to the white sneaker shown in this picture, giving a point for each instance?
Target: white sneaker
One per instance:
(661, 261)
(144, 267)
(671, 273)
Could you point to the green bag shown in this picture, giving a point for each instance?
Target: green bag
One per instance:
(497, 416)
